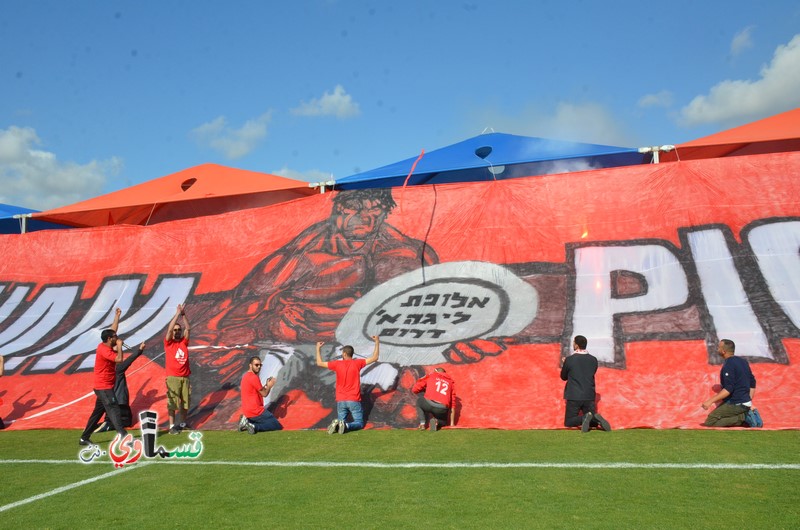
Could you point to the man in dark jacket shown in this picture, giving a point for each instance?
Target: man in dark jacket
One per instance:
(738, 388)
(578, 371)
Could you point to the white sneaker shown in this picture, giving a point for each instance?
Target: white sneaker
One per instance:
(242, 423)
(334, 426)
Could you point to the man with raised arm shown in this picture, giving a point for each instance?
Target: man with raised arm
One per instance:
(348, 386)
(107, 355)
(176, 362)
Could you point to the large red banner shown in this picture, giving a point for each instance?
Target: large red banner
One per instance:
(653, 264)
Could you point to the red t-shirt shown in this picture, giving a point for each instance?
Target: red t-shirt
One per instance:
(105, 367)
(252, 400)
(177, 357)
(438, 387)
(348, 378)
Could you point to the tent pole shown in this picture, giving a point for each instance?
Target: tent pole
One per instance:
(321, 185)
(655, 150)
(23, 221)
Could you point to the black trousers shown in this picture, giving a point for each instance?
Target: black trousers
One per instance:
(105, 401)
(125, 413)
(573, 416)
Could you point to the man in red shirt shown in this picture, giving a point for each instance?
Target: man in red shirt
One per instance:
(348, 386)
(438, 401)
(255, 417)
(108, 354)
(176, 362)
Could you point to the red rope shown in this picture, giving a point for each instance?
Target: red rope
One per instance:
(413, 167)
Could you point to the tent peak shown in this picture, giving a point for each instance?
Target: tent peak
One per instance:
(206, 189)
(493, 156)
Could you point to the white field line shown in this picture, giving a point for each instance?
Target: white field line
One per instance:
(495, 465)
(454, 465)
(386, 465)
(62, 489)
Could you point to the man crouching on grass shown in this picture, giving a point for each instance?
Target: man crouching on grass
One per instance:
(738, 388)
(348, 386)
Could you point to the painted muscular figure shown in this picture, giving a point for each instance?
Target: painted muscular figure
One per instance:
(301, 292)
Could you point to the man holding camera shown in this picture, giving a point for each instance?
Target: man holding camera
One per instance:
(108, 354)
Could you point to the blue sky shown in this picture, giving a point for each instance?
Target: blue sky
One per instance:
(96, 96)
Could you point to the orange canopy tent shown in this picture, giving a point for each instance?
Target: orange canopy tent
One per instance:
(779, 133)
(207, 189)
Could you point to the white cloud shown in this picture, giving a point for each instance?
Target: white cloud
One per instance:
(742, 41)
(659, 99)
(312, 175)
(37, 179)
(232, 143)
(339, 104)
(777, 89)
(577, 122)
(588, 122)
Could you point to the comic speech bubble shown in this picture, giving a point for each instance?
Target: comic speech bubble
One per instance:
(418, 315)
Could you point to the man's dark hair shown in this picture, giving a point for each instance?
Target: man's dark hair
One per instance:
(728, 345)
(107, 334)
(581, 341)
(348, 350)
(382, 195)
(254, 358)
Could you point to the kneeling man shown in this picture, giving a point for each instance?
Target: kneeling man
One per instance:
(255, 417)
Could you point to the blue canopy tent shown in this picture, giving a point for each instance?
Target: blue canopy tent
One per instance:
(495, 156)
(9, 224)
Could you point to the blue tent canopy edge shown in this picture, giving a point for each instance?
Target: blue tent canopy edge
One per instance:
(11, 225)
(495, 156)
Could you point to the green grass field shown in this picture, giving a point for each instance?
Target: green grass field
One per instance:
(398, 478)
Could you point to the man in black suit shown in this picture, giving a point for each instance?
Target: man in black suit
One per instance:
(578, 371)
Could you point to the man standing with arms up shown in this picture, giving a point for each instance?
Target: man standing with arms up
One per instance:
(578, 371)
(738, 388)
(176, 361)
(255, 417)
(348, 386)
